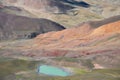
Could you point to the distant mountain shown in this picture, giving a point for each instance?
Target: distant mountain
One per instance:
(54, 6)
(15, 11)
(67, 12)
(18, 27)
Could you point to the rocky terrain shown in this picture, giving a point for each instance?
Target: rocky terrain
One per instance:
(90, 50)
(53, 6)
(80, 36)
(18, 27)
(70, 14)
(83, 40)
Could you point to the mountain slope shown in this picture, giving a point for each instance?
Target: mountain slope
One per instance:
(99, 45)
(53, 6)
(96, 44)
(18, 27)
(82, 35)
(71, 13)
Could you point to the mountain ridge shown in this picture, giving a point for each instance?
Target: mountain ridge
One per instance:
(13, 27)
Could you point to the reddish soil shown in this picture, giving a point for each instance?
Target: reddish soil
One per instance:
(79, 41)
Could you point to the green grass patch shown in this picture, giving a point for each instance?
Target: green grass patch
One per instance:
(10, 66)
(66, 59)
(79, 71)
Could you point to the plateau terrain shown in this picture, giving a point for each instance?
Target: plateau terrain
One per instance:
(59, 40)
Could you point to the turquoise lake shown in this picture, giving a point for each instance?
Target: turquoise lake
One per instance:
(52, 71)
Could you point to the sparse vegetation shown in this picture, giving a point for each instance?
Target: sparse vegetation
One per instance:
(10, 66)
(87, 51)
(66, 59)
(94, 75)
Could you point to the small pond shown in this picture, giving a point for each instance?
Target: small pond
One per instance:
(52, 71)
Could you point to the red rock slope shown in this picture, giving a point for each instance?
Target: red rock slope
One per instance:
(73, 37)
(108, 28)
(79, 41)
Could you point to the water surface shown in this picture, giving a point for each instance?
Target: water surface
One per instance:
(52, 71)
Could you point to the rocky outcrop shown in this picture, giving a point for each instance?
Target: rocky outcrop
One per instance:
(18, 27)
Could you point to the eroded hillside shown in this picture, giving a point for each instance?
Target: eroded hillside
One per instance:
(71, 13)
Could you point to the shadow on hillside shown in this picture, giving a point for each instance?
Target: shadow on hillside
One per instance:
(76, 3)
